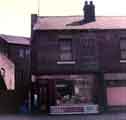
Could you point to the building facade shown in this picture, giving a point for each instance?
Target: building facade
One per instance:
(15, 70)
(78, 63)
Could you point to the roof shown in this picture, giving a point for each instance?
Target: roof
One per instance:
(76, 22)
(16, 39)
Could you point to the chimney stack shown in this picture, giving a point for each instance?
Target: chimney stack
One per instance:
(89, 11)
(33, 19)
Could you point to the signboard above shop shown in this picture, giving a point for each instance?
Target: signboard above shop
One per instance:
(115, 76)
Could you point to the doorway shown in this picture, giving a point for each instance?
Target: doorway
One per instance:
(43, 97)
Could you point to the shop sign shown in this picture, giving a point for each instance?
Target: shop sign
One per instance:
(115, 76)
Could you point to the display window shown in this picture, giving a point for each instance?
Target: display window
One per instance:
(81, 90)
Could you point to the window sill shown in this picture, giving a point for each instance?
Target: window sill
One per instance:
(66, 62)
(122, 61)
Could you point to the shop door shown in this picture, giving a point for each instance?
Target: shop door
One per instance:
(43, 98)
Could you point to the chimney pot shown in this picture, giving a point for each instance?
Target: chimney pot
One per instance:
(34, 18)
(86, 2)
(91, 2)
(89, 11)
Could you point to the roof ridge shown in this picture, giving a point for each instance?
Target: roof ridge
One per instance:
(15, 39)
(7, 35)
(80, 16)
(75, 22)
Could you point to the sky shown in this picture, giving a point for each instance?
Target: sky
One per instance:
(15, 14)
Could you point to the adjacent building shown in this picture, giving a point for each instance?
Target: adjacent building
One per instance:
(15, 70)
(79, 62)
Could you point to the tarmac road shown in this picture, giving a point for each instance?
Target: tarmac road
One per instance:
(105, 116)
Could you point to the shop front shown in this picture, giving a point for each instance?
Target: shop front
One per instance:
(69, 94)
(116, 90)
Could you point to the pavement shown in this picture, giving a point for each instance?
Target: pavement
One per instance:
(104, 116)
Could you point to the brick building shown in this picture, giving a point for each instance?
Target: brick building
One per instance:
(79, 62)
(15, 70)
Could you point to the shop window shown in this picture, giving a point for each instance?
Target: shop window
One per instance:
(75, 91)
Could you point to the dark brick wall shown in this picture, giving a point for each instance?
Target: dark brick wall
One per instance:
(109, 50)
(45, 51)
(22, 65)
(12, 99)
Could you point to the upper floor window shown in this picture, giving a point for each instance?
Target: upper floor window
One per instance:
(89, 47)
(123, 48)
(89, 51)
(21, 53)
(27, 52)
(24, 52)
(65, 47)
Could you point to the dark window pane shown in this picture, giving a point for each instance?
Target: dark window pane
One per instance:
(65, 46)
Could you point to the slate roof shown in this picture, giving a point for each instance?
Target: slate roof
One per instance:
(16, 39)
(76, 22)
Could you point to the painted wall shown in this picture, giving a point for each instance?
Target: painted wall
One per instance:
(9, 67)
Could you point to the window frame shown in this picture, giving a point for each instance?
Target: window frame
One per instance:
(89, 45)
(62, 51)
(122, 59)
(68, 42)
(27, 51)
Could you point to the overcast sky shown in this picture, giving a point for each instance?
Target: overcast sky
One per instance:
(15, 14)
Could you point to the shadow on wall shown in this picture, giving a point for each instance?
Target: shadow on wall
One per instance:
(2, 83)
(78, 23)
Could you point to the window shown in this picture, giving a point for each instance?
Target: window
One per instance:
(27, 52)
(77, 91)
(88, 52)
(65, 47)
(123, 48)
(24, 52)
(21, 53)
(89, 47)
